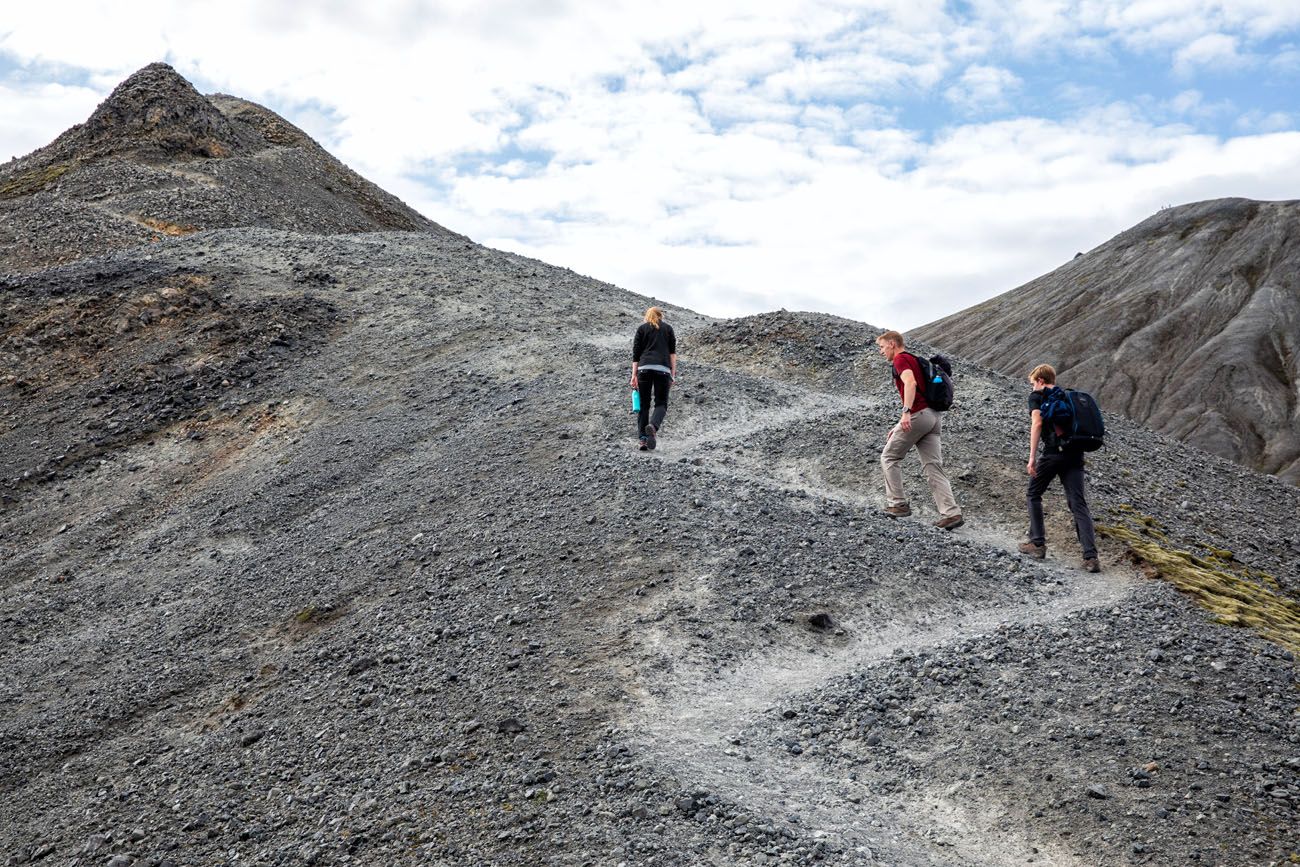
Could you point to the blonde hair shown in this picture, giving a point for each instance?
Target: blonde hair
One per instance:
(1045, 372)
(893, 337)
(654, 316)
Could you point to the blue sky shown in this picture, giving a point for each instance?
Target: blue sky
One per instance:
(891, 160)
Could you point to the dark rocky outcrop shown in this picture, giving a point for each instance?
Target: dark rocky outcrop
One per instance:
(159, 159)
(1188, 323)
(155, 116)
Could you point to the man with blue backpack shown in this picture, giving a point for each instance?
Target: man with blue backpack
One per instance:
(1064, 425)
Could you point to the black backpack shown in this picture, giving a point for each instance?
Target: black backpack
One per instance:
(1075, 417)
(937, 372)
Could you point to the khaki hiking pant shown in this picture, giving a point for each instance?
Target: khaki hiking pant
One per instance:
(925, 436)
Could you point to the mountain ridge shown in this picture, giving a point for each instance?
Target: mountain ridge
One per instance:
(1187, 322)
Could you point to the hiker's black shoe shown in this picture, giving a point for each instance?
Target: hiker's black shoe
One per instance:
(1038, 552)
(1092, 564)
(952, 522)
(650, 441)
(643, 446)
(898, 511)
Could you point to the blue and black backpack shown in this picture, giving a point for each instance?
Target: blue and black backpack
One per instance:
(937, 389)
(1075, 417)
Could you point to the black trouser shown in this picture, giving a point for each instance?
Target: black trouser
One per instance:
(658, 383)
(1069, 466)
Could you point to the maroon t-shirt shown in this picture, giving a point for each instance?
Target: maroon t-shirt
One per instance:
(907, 361)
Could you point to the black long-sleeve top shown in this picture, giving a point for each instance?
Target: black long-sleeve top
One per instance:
(654, 345)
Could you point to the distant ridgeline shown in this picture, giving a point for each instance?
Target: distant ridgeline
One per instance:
(1188, 323)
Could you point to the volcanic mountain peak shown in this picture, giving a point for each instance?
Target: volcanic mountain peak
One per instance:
(158, 159)
(157, 108)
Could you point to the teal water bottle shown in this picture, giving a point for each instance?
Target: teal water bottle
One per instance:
(636, 400)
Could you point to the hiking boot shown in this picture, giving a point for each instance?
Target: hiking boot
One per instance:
(950, 523)
(642, 446)
(1038, 552)
(650, 441)
(1092, 564)
(898, 511)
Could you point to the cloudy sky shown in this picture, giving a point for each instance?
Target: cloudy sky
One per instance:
(889, 160)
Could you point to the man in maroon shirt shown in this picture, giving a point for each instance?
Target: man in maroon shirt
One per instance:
(917, 426)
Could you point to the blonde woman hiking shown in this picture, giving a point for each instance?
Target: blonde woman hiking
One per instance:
(654, 370)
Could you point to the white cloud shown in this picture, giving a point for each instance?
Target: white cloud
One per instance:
(1187, 102)
(983, 88)
(1286, 61)
(1193, 104)
(32, 113)
(1218, 50)
(979, 211)
(1266, 121)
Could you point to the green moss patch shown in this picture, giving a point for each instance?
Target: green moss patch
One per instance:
(1236, 594)
(33, 181)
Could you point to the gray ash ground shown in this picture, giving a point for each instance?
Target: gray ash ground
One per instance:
(1092, 738)
(325, 550)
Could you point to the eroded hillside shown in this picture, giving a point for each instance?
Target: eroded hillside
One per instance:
(321, 549)
(1187, 323)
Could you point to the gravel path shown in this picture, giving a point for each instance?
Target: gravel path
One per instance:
(702, 724)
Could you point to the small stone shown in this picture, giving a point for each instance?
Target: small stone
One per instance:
(251, 738)
(363, 664)
(1098, 791)
(510, 726)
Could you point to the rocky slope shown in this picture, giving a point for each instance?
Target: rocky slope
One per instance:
(338, 550)
(319, 550)
(159, 159)
(1187, 322)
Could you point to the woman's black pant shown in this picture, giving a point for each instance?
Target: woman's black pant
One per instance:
(652, 382)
